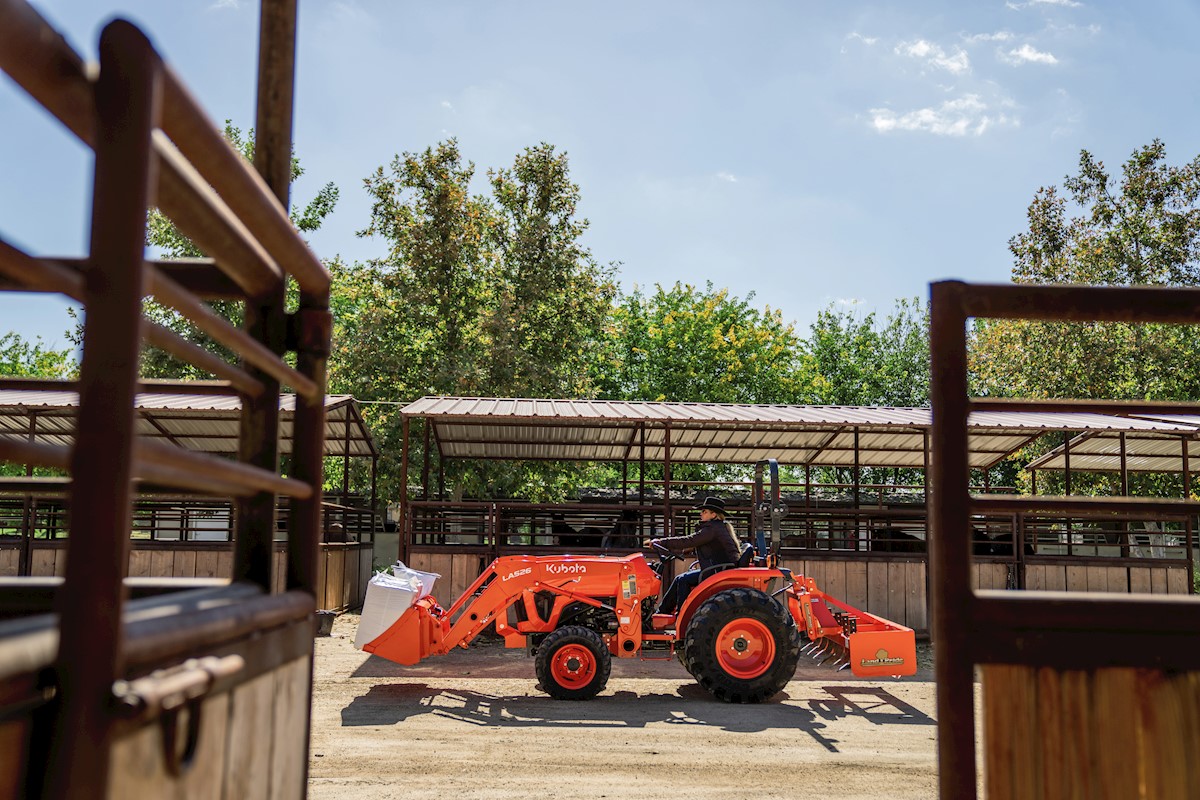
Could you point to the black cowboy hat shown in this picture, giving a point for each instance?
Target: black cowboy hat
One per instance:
(712, 504)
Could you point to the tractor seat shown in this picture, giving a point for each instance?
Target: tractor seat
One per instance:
(746, 556)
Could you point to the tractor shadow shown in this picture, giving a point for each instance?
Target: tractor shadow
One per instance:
(816, 715)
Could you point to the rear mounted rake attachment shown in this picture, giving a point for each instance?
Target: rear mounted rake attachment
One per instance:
(843, 637)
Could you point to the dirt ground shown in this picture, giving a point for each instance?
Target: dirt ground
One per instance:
(473, 724)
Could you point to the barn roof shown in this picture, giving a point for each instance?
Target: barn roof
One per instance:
(200, 423)
(714, 433)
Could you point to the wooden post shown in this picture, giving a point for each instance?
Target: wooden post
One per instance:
(668, 519)
(91, 633)
(405, 533)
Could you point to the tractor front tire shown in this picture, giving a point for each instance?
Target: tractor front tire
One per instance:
(742, 646)
(573, 663)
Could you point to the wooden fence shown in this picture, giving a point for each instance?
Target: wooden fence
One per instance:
(894, 589)
(342, 569)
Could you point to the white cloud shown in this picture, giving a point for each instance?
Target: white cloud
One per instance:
(446, 104)
(998, 36)
(220, 4)
(1028, 54)
(967, 115)
(867, 40)
(1031, 3)
(956, 62)
(850, 301)
(728, 177)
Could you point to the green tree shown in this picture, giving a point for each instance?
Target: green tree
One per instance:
(681, 344)
(552, 297)
(162, 235)
(23, 359)
(859, 361)
(476, 294)
(1143, 229)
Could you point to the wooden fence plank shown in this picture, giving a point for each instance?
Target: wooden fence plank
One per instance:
(289, 739)
(224, 563)
(1118, 579)
(140, 563)
(1139, 580)
(1158, 580)
(1114, 719)
(162, 563)
(251, 713)
(1077, 579)
(322, 595)
(185, 564)
(856, 584)
(835, 579)
(1097, 579)
(896, 592)
(334, 572)
(442, 564)
(1056, 578)
(1177, 580)
(877, 588)
(1035, 577)
(206, 563)
(915, 602)
(463, 572)
(10, 562)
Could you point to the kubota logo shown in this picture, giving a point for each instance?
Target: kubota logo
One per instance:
(565, 569)
(517, 574)
(881, 659)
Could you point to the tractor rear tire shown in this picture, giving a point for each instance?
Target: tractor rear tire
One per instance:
(742, 646)
(573, 663)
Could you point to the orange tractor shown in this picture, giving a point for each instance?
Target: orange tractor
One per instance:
(739, 633)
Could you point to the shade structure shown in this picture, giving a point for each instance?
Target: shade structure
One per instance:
(194, 422)
(715, 433)
(1134, 451)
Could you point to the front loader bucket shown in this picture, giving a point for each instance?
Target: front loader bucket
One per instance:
(410, 638)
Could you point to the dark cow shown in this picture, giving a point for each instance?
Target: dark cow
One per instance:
(624, 534)
(567, 535)
(1002, 545)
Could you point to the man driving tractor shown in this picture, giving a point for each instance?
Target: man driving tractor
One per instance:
(714, 541)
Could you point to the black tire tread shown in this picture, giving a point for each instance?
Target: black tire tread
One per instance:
(573, 634)
(699, 645)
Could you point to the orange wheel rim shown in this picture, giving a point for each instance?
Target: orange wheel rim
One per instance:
(745, 648)
(573, 666)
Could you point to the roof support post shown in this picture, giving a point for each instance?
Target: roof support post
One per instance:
(28, 512)
(1067, 484)
(857, 489)
(374, 495)
(668, 517)
(405, 532)
(425, 460)
(1124, 493)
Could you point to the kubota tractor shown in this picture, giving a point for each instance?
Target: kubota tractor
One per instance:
(739, 632)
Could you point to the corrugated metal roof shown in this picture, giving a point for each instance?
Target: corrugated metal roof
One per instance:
(202, 423)
(1155, 450)
(611, 430)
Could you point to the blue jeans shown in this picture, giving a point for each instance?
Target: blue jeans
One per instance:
(680, 588)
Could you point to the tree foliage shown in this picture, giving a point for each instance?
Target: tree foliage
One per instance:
(162, 234)
(682, 344)
(1143, 229)
(24, 359)
(859, 361)
(477, 295)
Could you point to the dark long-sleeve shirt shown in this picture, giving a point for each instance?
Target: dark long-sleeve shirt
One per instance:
(714, 542)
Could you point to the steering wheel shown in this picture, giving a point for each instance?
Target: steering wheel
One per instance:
(663, 553)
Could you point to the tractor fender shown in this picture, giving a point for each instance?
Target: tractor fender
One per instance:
(766, 580)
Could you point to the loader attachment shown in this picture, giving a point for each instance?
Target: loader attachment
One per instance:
(416, 635)
(842, 636)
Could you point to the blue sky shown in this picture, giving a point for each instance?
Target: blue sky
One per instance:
(810, 152)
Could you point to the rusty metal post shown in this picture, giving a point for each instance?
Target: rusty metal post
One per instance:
(403, 524)
(668, 520)
(425, 459)
(28, 512)
(857, 489)
(91, 641)
(949, 544)
(374, 495)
